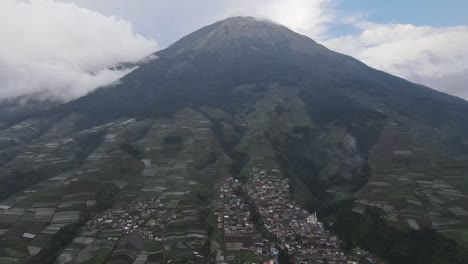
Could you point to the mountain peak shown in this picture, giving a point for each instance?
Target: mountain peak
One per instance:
(236, 35)
(238, 19)
(243, 24)
(250, 27)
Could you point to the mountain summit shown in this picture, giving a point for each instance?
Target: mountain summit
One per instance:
(382, 160)
(234, 35)
(256, 45)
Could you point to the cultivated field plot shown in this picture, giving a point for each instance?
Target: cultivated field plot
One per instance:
(159, 212)
(416, 185)
(33, 219)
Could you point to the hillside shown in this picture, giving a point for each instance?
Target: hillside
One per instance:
(239, 99)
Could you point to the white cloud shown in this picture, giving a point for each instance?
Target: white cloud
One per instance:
(309, 17)
(62, 49)
(436, 57)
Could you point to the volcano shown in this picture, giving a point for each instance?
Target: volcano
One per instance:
(239, 116)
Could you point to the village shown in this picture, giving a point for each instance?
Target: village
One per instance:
(127, 219)
(240, 234)
(299, 232)
(295, 230)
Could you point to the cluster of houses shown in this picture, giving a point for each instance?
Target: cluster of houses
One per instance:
(298, 231)
(125, 220)
(235, 221)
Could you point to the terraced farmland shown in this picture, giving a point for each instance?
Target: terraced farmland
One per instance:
(140, 195)
(415, 183)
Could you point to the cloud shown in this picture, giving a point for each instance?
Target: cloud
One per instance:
(309, 17)
(171, 20)
(62, 50)
(435, 57)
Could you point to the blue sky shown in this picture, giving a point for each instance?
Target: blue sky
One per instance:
(435, 13)
(438, 13)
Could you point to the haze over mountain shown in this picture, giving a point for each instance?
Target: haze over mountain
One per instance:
(382, 160)
(422, 41)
